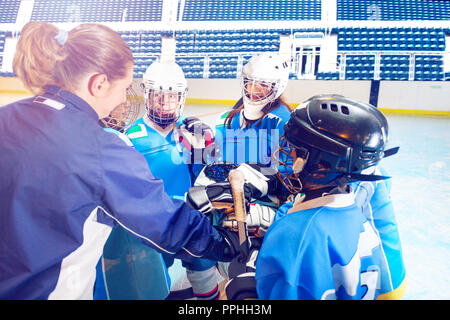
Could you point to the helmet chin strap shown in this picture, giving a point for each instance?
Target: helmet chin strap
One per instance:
(340, 182)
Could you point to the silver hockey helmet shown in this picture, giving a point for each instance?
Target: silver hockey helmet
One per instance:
(165, 89)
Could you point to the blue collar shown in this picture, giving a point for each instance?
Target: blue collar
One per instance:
(71, 98)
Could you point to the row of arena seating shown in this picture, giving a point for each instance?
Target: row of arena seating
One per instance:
(393, 10)
(149, 42)
(8, 11)
(395, 67)
(236, 43)
(359, 67)
(222, 10)
(96, 10)
(146, 46)
(403, 39)
(225, 10)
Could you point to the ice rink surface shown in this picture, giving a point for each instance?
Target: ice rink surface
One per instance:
(421, 194)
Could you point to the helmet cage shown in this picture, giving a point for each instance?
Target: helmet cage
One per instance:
(124, 114)
(164, 107)
(259, 92)
(303, 168)
(290, 163)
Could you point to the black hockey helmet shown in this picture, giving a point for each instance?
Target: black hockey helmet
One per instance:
(329, 140)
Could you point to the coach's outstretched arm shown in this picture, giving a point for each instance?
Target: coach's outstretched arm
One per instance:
(146, 211)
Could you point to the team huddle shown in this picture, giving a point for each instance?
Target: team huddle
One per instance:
(271, 201)
(317, 204)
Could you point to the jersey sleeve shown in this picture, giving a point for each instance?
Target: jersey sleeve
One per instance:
(385, 222)
(134, 199)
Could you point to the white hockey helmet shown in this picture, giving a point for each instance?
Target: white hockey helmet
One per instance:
(165, 89)
(264, 79)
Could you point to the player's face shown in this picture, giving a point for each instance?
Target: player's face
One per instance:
(164, 99)
(257, 90)
(164, 103)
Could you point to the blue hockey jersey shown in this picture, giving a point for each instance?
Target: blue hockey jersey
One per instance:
(319, 249)
(64, 183)
(253, 144)
(164, 156)
(375, 200)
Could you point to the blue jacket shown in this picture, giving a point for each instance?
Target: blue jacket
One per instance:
(64, 183)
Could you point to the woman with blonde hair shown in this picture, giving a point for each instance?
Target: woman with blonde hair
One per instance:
(65, 181)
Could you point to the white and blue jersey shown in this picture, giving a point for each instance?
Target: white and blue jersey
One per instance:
(254, 144)
(375, 200)
(64, 183)
(319, 249)
(164, 156)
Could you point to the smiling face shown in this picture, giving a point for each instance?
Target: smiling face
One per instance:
(256, 90)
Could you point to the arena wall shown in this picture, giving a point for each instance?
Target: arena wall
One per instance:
(430, 98)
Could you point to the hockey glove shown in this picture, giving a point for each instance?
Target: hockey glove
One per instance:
(242, 283)
(259, 219)
(227, 249)
(206, 199)
(261, 180)
(198, 139)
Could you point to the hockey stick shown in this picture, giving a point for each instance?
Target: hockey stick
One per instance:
(236, 179)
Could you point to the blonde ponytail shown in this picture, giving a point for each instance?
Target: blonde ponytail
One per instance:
(46, 56)
(36, 54)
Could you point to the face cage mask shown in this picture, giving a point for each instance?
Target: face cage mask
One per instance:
(164, 107)
(124, 114)
(291, 161)
(259, 92)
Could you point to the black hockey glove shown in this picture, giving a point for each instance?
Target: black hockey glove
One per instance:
(198, 139)
(242, 283)
(227, 249)
(207, 199)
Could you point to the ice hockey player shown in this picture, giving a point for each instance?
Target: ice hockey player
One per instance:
(259, 116)
(322, 246)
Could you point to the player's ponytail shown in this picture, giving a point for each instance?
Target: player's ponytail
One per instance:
(46, 55)
(37, 52)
